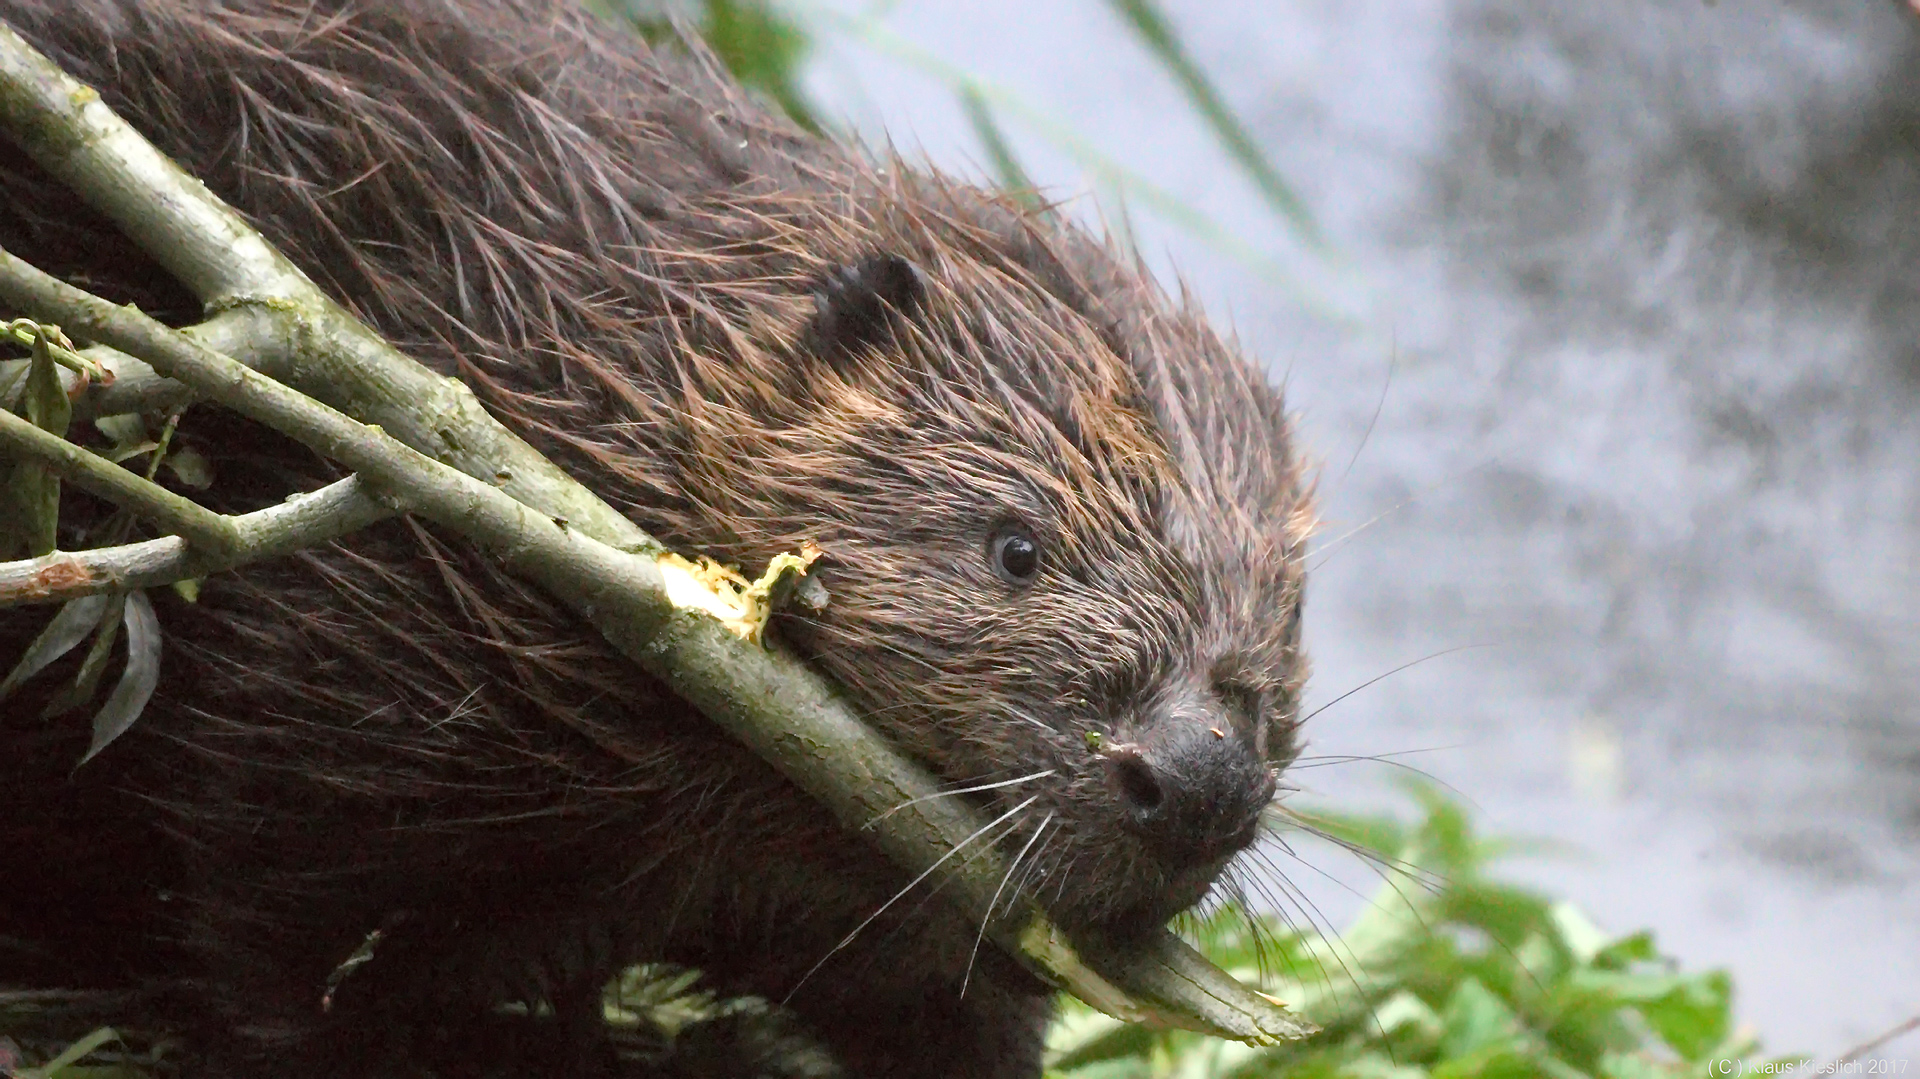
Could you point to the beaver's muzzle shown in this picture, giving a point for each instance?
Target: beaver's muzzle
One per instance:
(1192, 786)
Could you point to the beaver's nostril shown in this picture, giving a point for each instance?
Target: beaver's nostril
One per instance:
(1138, 785)
(1192, 795)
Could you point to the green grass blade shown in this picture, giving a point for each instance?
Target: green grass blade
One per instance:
(72, 1055)
(1012, 177)
(1158, 35)
(1104, 170)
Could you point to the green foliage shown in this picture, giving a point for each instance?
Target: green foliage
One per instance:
(33, 491)
(763, 50)
(762, 47)
(1448, 974)
(58, 1034)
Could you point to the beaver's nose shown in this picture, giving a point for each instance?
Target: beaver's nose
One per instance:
(1192, 787)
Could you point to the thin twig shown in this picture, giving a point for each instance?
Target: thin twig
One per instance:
(302, 521)
(1870, 1045)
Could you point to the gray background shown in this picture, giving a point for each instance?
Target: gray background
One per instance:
(1647, 278)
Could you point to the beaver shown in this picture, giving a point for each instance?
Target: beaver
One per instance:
(1062, 524)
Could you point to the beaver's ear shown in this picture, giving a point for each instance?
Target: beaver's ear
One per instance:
(854, 304)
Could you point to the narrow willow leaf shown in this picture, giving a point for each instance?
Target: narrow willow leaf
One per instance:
(1011, 177)
(68, 628)
(34, 489)
(88, 680)
(63, 1063)
(1105, 170)
(46, 398)
(136, 684)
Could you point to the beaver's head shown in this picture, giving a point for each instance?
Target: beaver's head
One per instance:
(1063, 532)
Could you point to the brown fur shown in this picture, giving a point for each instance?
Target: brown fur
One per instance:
(626, 260)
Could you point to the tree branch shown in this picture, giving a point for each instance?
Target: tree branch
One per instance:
(66, 129)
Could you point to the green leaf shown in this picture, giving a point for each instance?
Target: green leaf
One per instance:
(1696, 1016)
(132, 449)
(1477, 1020)
(1396, 920)
(1583, 940)
(47, 405)
(32, 488)
(1506, 913)
(126, 429)
(763, 50)
(1503, 1062)
(1082, 1036)
(190, 467)
(1409, 1025)
(128, 433)
(63, 1065)
(1637, 1065)
(1628, 950)
(77, 619)
(1541, 959)
(1692, 1013)
(83, 686)
(1423, 977)
(137, 682)
(1367, 1065)
(1444, 840)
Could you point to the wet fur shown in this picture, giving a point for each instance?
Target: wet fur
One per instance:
(696, 309)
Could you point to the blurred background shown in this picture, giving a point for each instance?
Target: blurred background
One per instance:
(1603, 324)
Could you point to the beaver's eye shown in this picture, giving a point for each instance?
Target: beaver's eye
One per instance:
(1014, 555)
(1243, 703)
